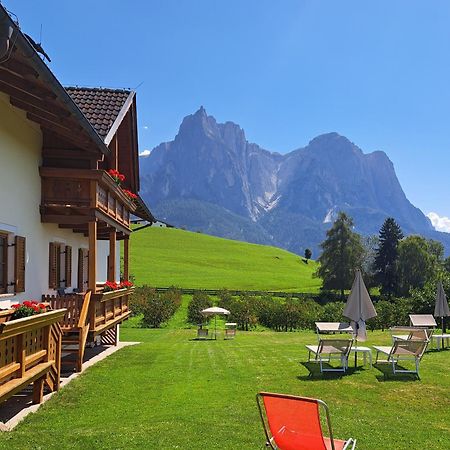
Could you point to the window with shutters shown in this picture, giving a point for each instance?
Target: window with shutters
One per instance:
(12, 263)
(3, 263)
(60, 265)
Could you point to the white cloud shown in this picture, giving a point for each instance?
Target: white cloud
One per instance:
(144, 153)
(145, 127)
(439, 223)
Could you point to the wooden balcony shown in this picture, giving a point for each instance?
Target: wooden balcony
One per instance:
(74, 197)
(30, 352)
(108, 309)
(90, 315)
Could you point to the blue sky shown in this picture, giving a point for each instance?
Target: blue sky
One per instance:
(376, 72)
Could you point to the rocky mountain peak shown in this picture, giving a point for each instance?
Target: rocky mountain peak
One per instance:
(198, 124)
(285, 200)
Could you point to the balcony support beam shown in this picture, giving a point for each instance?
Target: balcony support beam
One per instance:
(126, 255)
(92, 278)
(112, 256)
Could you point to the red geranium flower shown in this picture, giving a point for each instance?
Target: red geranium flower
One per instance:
(129, 194)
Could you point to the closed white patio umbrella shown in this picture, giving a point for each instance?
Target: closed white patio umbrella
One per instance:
(441, 308)
(215, 311)
(359, 307)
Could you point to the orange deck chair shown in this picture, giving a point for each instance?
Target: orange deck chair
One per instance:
(293, 423)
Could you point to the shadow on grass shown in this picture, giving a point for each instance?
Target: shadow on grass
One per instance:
(388, 375)
(315, 373)
(203, 339)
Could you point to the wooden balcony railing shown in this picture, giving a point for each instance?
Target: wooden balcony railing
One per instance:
(108, 309)
(80, 195)
(30, 352)
(87, 316)
(105, 310)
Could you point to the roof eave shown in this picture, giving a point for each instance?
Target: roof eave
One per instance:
(48, 76)
(122, 113)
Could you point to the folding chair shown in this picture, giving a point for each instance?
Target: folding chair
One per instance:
(293, 423)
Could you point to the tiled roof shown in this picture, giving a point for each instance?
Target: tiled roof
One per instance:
(101, 106)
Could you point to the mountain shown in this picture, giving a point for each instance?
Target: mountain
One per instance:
(211, 179)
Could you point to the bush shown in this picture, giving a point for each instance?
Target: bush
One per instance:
(386, 316)
(139, 299)
(288, 315)
(159, 308)
(225, 299)
(333, 312)
(200, 301)
(244, 311)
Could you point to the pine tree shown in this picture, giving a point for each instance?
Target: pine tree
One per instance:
(342, 254)
(387, 256)
(308, 254)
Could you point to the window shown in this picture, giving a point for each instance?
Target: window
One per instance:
(3, 263)
(12, 271)
(60, 265)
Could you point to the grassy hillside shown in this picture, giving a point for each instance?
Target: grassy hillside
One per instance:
(166, 256)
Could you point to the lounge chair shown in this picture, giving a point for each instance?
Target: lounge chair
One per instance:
(230, 333)
(409, 350)
(202, 333)
(333, 328)
(230, 330)
(292, 422)
(329, 349)
(422, 320)
(411, 333)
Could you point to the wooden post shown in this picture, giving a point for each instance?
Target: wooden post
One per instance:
(126, 254)
(38, 390)
(112, 256)
(92, 284)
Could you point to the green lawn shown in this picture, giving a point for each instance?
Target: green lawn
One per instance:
(166, 256)
(174, 392)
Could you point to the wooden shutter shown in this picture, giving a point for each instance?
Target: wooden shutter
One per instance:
(19, 264)
(82, 269)
(68, 266)
(53, 255)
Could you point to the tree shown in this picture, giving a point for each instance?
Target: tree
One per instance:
(370, 244)
(387, 255)
(308, 254)
(342, 254)
(447, 264)
(416, 265)
(200, 301)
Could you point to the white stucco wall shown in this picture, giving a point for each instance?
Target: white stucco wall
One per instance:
(20, 196)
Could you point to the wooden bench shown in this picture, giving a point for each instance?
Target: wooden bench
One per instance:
(36, 375)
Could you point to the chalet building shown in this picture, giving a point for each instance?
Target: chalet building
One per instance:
(69, 183)
(61, 214)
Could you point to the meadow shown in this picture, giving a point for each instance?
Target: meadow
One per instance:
(171, 391)
(164, 257)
